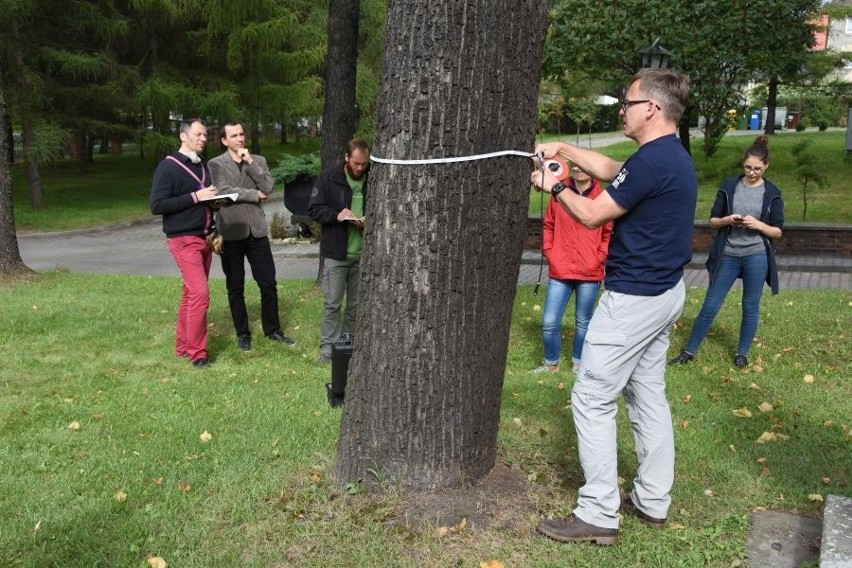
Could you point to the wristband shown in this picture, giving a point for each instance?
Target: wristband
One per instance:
(557, 189)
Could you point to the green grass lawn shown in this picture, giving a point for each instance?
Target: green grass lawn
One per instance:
(114, 189)
(102, 461)
(828, 204)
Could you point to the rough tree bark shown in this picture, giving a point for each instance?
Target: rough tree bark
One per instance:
(255, 137)
(10, 136)
(442, 243)
(23, 92)
(10, 254)
(771, 103)
(683, 131)
(341, 67)
(339, 114)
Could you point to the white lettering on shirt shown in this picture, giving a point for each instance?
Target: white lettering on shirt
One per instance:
(619, 179)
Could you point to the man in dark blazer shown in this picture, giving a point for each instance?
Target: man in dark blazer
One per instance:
(243, 227)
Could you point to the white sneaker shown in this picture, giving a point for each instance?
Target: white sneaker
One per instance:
(543, 369)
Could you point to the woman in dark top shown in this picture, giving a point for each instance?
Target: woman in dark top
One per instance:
(749, 214)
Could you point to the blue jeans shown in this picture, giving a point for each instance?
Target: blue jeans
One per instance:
(558, 294)
(754, 268)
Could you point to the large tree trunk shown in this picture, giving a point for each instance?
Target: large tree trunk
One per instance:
(90, 148)
(10, 136)
(443, 243)
(33, 171)
(683, 130)
(23, 99)
(255, 137)
(341, 70)
(10, 254)
(341, 65)
(771, 102)
(283, 134)
(81, 143)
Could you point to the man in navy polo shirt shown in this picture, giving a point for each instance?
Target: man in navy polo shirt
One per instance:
(651, 198)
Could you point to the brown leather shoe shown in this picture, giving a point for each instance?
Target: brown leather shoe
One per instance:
(574, 529)
(630, 508)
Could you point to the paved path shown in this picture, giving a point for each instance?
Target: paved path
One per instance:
(140, 249)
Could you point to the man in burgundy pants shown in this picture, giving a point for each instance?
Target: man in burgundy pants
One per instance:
(181, 185)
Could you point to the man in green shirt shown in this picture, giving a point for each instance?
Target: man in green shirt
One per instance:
(338, 202)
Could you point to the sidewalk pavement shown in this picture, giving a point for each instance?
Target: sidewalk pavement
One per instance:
(140, 249)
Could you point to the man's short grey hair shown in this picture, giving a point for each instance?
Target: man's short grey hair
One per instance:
(186, 124)
(666, 87)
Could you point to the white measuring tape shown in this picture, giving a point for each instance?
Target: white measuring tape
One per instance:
(451, 160)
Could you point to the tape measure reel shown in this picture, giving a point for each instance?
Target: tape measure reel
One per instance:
(558, 168)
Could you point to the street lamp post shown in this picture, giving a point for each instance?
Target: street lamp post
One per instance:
(655, 56)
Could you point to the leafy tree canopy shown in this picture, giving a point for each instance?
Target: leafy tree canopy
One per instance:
(719, 44)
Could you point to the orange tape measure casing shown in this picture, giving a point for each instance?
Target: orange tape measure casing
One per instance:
(558, 167)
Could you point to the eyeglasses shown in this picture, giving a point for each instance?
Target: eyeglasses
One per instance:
(627, 103)
(753, 170)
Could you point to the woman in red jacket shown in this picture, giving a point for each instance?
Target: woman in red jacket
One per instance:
(575, 257)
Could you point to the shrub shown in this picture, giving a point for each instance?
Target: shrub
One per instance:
(823, 113)
(806, 171)
(292, 168)
(278, 226)
(49, 144)
(283, 226)
(157, 143)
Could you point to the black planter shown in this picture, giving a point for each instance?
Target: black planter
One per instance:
(297, 195)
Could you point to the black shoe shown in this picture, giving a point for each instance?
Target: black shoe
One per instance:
(574, 529)
(202, 363)
(244, 342)
(684, 357)
(740, 361)
(281, 338)
(630, 508)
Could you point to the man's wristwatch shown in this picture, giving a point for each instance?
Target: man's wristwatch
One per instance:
(557, 188)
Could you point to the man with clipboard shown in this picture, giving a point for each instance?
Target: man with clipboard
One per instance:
(180, 192)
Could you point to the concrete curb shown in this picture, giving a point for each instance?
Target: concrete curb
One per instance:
(90, 230)
(836, 549)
